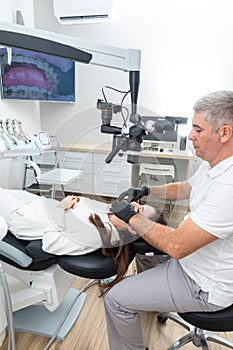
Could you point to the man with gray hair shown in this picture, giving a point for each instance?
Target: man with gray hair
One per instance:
(198, 273)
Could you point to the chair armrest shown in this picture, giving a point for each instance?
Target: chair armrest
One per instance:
(15, 254)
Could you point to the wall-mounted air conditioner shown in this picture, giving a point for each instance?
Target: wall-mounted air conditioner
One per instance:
(82, 11)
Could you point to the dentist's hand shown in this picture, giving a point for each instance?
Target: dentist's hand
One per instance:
(134, 193)
(123, 210)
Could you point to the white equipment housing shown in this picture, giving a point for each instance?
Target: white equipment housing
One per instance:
(102, 55)
(82, 11)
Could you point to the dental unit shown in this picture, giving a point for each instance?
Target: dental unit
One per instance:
(49, 287)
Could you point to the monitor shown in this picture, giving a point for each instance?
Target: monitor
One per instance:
(36, 76)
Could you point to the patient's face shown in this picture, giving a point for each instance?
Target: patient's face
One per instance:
(149, 212)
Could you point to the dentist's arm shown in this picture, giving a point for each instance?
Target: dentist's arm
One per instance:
(171, 191)
(177, 243)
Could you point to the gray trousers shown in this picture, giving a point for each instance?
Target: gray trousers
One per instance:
(164, 288)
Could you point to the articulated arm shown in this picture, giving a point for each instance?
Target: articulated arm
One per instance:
(15, 35)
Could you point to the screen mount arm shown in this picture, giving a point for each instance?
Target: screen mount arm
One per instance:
(66, 46)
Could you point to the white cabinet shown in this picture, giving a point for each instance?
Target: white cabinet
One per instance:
(98, 177)
(110, 179)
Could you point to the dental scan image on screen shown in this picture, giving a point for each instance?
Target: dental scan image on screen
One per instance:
(36, 76)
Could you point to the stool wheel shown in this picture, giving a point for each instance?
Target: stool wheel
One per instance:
(197, 343)
(161, 319)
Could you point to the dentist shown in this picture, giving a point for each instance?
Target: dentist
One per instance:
(198, 274)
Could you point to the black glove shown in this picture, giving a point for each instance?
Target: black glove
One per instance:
(123, 210)
(133, 194)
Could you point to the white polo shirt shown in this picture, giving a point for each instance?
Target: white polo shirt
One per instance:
(211, 208)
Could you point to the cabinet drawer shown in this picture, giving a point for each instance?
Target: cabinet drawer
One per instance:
(76, 160)
(45, 158)
(83, 184)
(112, 170)
(85, 167)
(111, 187)
(77, 157)
(100, 158)
(118, 167)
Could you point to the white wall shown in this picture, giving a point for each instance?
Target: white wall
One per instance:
(27, 112)
(186, 52)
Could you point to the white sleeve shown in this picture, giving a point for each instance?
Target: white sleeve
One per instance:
(32, 220)
(215, 213)
(78, 237)
(55, 214)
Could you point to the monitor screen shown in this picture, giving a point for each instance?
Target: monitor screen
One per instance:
(165, 129)
(36, 76)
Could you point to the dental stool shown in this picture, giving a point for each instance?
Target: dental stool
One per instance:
(200, 325)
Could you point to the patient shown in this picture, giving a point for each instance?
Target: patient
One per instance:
(73, 226)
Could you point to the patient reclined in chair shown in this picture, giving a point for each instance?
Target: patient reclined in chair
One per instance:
(63, 230)
(43, 222)
(65, 227)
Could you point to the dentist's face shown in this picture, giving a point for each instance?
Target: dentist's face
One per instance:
(206, 142)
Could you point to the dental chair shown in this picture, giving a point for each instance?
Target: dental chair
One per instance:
(200, 325)
(43, 301)
(41, 292)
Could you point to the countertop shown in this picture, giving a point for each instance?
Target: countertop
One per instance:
(105, 148)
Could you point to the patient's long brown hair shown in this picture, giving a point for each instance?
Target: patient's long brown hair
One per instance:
(121, 252)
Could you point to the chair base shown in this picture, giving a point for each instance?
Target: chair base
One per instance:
(36, 319)
(196, 335)
(102, 283)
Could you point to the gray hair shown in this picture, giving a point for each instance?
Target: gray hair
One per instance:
(218, 108)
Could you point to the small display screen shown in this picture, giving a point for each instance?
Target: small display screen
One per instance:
(165, 129)
(36, 76)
